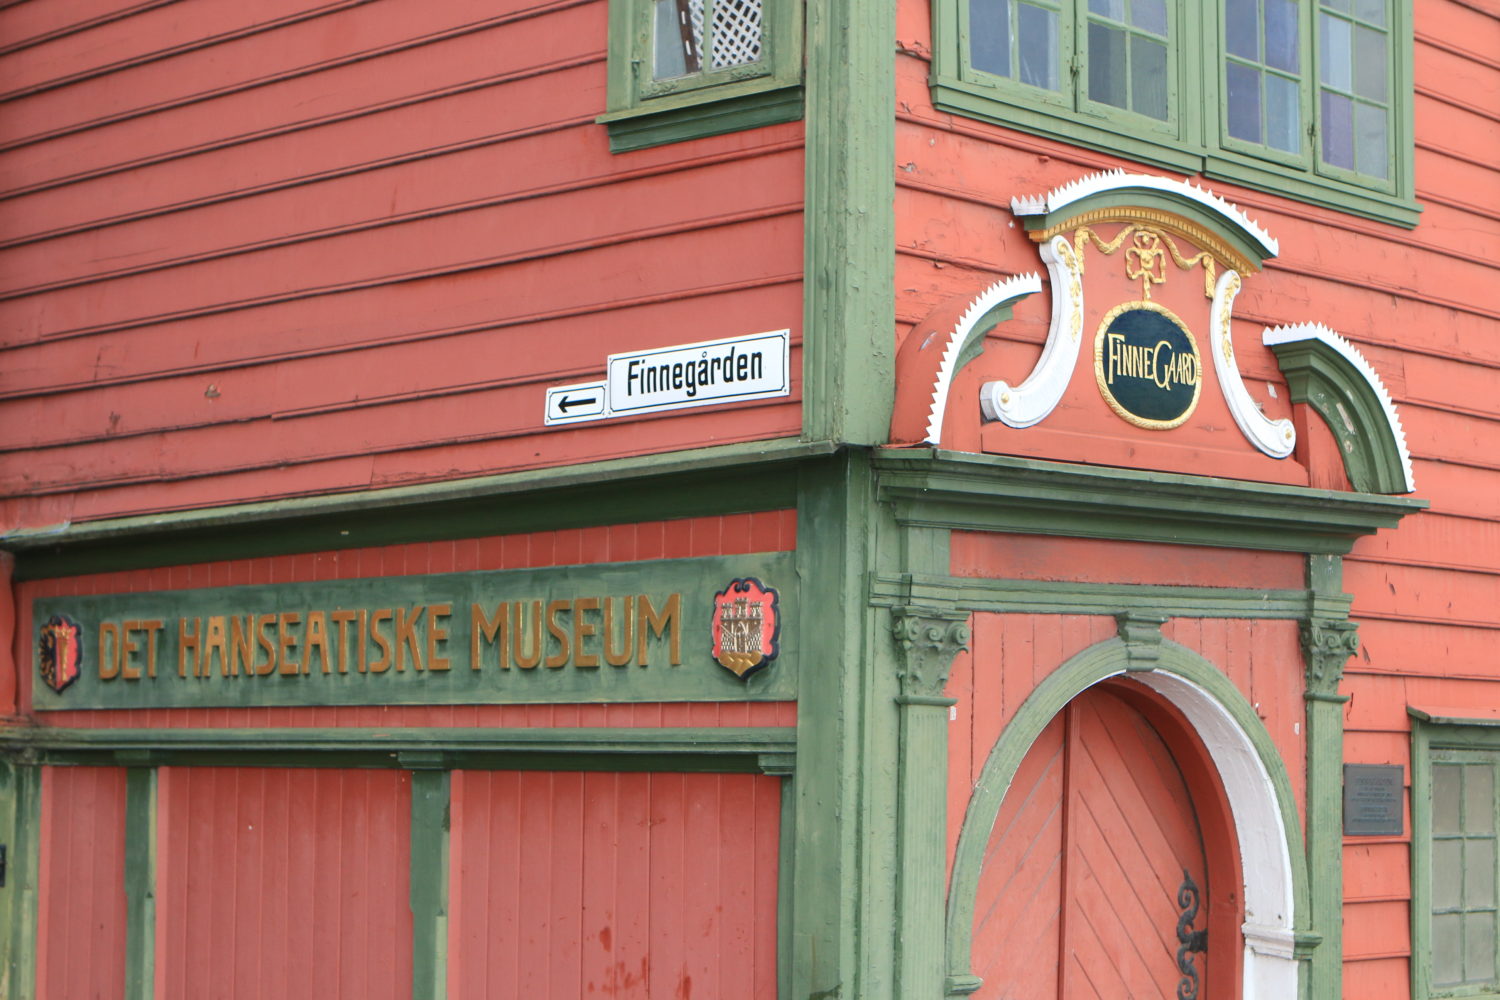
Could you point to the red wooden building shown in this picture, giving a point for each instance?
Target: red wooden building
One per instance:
(749, 498)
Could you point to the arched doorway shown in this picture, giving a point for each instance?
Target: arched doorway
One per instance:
(1111, 870)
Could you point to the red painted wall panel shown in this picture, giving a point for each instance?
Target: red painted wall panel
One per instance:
(81, 891)
(283, 882)
(306, 248)
(613, 885)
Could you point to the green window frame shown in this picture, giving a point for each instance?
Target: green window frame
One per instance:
(1305, 98)
(684, 69)
(1455, 861)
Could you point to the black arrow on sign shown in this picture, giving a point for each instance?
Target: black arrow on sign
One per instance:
(567, 402)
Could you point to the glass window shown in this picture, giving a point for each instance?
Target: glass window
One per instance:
(1298, 97)
(681, 69)
(1462, 874)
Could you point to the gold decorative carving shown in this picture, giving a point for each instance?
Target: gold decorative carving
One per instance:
(1165, 221)
(1226, 344)
(1145, 259)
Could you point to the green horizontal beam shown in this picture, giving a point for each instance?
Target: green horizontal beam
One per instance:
(679, 484)
(933, 488)
(1049, 597)
(718, 749)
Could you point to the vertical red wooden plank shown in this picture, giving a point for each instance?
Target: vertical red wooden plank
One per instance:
(533, 890)
(736, 861)
(564, 919)
(634, 931)
(598, 845)
(668, 813)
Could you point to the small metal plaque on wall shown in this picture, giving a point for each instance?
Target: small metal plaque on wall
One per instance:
(1373, 795)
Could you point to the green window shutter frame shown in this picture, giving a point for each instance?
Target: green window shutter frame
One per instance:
(1440, 739)
(644, 112)
(1196, 138)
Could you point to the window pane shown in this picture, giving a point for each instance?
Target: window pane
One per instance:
(1244, 102)
(989, 36)
(1333, 40)
(673, 40)
(1447, 874)
(1336, 4)
(1369, 63)
(1445, 786)
(1109, 8)
(1241, 31)
(1106, 59)
(1338, 131)
(1283, 113)
(1281, 35)
(1371, 133)
(1149, 15)
(1447, 949)
(1148, 76)
(1479, 799)
(1370, 10)
(1479, 947)
(1479, 873)
(1037, 29)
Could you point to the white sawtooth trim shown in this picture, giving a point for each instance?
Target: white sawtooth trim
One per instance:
(1270, 968)
(998, 294)
(1317, 331)
(1119, 180)
(1031, 401)
(1276, 438)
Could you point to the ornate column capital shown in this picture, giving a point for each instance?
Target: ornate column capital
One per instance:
(927, 640)
(1327, 645)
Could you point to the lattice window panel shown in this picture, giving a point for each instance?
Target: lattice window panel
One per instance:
(736, 30)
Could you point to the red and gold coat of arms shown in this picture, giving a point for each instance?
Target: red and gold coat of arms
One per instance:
(746, 626)
(61, 652)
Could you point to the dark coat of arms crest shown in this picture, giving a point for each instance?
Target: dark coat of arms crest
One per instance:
(61, 652)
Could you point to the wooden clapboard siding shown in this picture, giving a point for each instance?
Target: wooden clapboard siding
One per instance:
(727, 534)
(286, 882)
(613, 885)
(300, 248)
(81, 891)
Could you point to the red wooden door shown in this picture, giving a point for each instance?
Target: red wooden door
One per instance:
(1084, 890)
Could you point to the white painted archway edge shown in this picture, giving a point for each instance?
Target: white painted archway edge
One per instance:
(1270, 969)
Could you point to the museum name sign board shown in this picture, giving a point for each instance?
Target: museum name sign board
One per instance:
(646, 631)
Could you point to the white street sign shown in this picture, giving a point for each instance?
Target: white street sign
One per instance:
(567, 404)
(715, 371)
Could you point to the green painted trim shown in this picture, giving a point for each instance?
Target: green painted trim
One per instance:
(1357, 416)
(727, 749)
(650, 126)
(21, 824)
(429, 883)
(1198, 144)
(1098, 662)
(849, 317)
(1435, 733)
(673, 485)
(786, 883)
(1043, 597)
(841, 906)
(999, 493)
(140, 883)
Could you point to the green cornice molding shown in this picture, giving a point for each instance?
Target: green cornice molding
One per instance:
(1183, 669)
(932, 488)
(648, 487)
(1325, 371)
(604, 748)
(1062, 597)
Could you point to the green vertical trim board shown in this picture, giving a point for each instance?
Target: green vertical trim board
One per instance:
(20, 825)
(849, 317)
(429, 876)
(140, 883)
